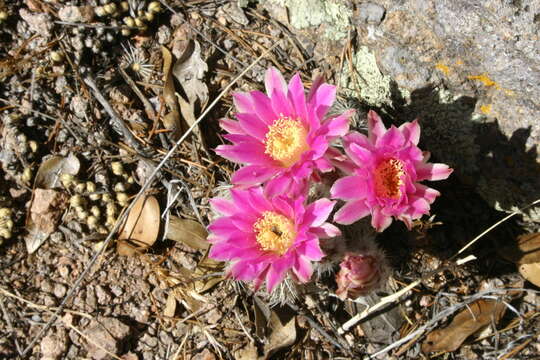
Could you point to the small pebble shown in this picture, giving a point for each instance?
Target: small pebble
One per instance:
(59, 290)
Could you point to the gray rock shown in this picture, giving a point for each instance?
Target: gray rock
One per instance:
(76, 14)
(39, 23)
(59, 290)
(370, 13)
(107, 332)
(467, 69)
(53, 346)
(235, 12)
(103, 297)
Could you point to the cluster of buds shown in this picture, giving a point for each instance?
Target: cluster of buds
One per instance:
(98, 208)
(136, 16)
(6, 224)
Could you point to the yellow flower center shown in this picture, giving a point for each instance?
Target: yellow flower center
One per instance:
(274, 232)
(388, 178)
(286, 140)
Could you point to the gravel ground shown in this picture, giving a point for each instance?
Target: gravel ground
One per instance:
(83, 93)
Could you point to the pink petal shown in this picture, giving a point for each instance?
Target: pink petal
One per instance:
(240, 199)
(252, 125)
(249, 153)
(357, 138)
(231, 126)
(324, 165)
(297, 97)
(223, 206)
(317, 212)
(243, 222)
(281, 105)
(220, 251)
(411, 153)
(276, 273)
(226, 251)
(253, 174)
(378, 220)
(392, 138)
(376, 127)
(351, 212)
(311, 250)
(274, 81)
(432, 171)
(338, 126)
(263, 107)
(244, 270)
(245, 253)
(349, 188)
(318, 146)
(258, 201)
(324, 98)
(277, 185)
(283, 206)
(344, 164)
(407, 220)
(361, 156)
(319, 80)
(303, 269)
(418, 207)
(298, 187)
(411, 131)
(325, 231)
(257, 282)
(222, 225)
(243, 102)
(426, 192)
(241, 138)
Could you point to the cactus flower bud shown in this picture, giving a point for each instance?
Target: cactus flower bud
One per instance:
(359, 274)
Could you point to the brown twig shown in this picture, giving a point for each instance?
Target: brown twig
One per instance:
(147, 106)
(114, 116)
(10, 326)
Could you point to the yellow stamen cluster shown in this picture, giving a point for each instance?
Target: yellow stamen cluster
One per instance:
(274, 232)
(388, 180)
(286, 140)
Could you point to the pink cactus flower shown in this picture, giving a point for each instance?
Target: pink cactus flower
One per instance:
(268, 238)
(282, 137)
(359, 275)
(385, 179)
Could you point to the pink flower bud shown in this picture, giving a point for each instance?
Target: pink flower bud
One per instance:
(359, 275)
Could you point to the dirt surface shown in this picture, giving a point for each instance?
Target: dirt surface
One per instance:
(88, 111)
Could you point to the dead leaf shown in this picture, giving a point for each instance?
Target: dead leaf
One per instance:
(49, 172)
(204, 270)
(47, 208)
(262, 315)
(141, 228)
(171, 120)
(526, 250)
(248, 352)
(181, 287)
(478, 315)
(192, 93)
(531, 272)
(283, 325)
(170, 306)
(189, 232)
